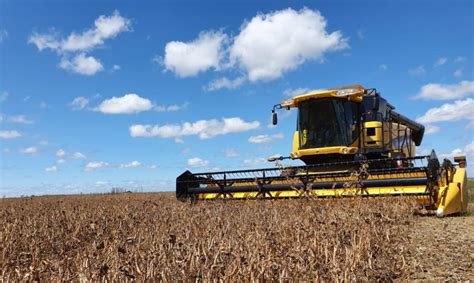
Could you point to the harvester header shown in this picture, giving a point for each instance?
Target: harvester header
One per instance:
(353, 143)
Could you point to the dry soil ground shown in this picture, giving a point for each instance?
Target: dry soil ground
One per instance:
(442, 249)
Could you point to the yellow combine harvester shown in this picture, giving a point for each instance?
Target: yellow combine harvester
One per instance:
(353, 144)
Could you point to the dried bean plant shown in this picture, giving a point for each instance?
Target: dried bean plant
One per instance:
(153, 236)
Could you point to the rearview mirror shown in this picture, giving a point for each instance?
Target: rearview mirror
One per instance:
(274, 118)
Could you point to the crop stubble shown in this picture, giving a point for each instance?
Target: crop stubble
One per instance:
(143, 236)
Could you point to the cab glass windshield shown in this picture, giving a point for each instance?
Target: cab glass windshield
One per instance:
(327, 122)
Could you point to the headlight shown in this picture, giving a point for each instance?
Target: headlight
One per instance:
(347, 91)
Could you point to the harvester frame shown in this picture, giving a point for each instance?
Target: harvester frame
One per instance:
(369, 164)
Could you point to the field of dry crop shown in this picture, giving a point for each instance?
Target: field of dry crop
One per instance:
(144, 236)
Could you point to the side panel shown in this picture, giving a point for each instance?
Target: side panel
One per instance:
(453, 198)
(373, 134)
(296, 141)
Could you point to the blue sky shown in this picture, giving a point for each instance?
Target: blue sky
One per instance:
(96, 94)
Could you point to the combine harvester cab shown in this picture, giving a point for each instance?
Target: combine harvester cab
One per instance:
(354, 145)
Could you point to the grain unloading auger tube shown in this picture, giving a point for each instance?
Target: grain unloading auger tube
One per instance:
(437, 188)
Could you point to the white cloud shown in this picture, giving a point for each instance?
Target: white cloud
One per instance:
(458, 73)
(51, 169)
(254, 161)
(171, 108)
(45, 41)
(224, 82)
(230, 153)
(78, 155)
(271, 44)
(290, 92)
(460, 59)
(132, 164)
(446, 91)
(174, 107)
(418, 71)
(44, 105)
(60, 161)
(460, 109)
(265, 138)
(360, 34)
(29, 150)
(116, 68)
(157, 59)
(9, 134)
(82, 64)
(3, 35)
(3, 96)
(95, 165)
(61, 153)
(440, 62)
(383, 67)
(470, 125)
(431, 129)
(105, 27)
(79, 103)
(186, 150)
(152, 166)
(187, 59)
(129, 103)
(20, 119)
(266, 47)
(198, 162)
(467, 150)
(101, 183)
(204, 129)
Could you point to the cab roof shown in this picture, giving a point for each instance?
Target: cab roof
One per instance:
(352, 92)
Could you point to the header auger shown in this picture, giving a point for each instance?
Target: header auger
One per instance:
(353, 143)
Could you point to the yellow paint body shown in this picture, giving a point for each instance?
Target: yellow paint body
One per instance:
(298, 153)
(349, 192)
(415, 192)
(327, 93)
(453, 197)
(375, 133)
(376, 138)
(447, 195)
